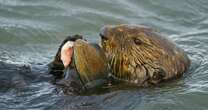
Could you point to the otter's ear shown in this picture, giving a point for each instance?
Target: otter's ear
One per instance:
(158, 76)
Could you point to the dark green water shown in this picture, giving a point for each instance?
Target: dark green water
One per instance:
(31, 30)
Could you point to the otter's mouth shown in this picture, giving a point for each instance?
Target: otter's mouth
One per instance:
(103, 32)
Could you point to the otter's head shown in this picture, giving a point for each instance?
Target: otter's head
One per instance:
(132, 51)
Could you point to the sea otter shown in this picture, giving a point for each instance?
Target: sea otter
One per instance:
(79, 65)
(141, 56)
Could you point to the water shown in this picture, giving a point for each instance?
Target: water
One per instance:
(30, 32)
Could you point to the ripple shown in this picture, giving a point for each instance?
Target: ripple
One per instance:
(30, 32)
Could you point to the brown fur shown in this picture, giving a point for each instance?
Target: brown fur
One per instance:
(140, 55)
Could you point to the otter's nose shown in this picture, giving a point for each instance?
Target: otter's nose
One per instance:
(103, 32)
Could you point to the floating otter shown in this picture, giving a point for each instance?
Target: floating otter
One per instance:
(80, 65)
(138, 55)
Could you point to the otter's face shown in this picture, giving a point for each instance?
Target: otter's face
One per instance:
(131, 51)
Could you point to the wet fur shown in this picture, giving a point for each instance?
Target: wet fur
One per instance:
(142, 56)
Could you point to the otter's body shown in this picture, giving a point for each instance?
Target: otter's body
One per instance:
(141, 56)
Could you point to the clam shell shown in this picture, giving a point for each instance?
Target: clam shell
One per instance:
(90, 61)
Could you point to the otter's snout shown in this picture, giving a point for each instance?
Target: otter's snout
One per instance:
(103, 33)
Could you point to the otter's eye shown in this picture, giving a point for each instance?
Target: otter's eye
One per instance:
(137, 41)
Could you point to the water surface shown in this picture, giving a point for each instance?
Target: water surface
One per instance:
(30, 32)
